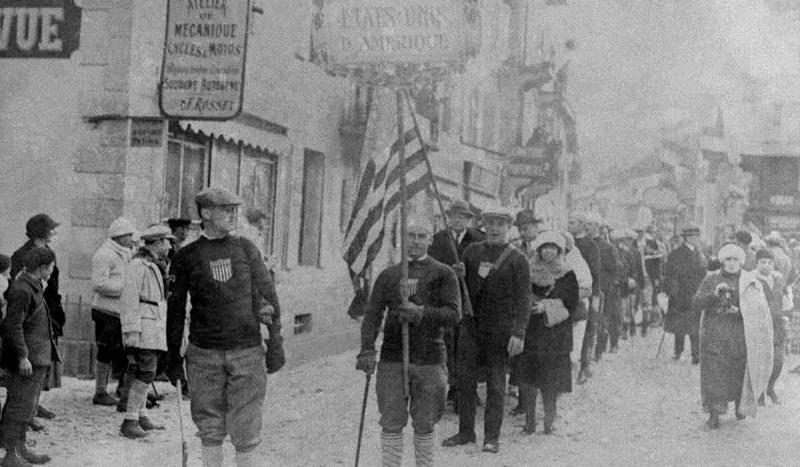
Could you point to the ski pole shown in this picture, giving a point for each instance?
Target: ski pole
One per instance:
(184, 446)
(363, 412)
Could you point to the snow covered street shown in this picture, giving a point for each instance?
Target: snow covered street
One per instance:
(636, 411)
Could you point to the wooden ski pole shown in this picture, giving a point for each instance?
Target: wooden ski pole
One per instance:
(361, 423)
(467, 304)
(184, 446)
(404, 292)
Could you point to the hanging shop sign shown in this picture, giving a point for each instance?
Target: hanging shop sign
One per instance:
(202, 75)
(39, 28)
(391, 42)
(532, 163)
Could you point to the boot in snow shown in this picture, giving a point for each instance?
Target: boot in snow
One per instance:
(131, 429)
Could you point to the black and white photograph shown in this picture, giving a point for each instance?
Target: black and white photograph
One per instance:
(397, 233)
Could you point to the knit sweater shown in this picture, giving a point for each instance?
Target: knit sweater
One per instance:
(225, 277)
(435, 287)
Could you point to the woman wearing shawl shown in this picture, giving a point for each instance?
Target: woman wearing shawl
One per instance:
(545, 364)
(735, 338)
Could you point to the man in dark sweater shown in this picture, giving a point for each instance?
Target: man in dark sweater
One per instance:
(498, 279)
(608, 324)
(231, 294)
(591, 254)
(459, 217)
(29, 350)
(434, 303)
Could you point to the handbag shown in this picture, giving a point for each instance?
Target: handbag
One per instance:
(554, 311)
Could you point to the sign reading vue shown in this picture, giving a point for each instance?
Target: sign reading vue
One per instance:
(39, 28)
(202, 76)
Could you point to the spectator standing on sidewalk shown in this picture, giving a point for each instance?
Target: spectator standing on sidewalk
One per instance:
(108, 278)
(143, 318)
(29, 350)
(41, 232)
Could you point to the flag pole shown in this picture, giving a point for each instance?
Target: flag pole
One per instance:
(467, 311)
(404, 291)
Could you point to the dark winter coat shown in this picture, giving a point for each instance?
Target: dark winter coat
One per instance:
(501, 301)
(683, 273)
(51, 295)
(440, 248)
(609, 266)
(633, 268)
(27, 329)
(591, 254)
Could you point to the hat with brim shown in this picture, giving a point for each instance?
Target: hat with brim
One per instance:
(121, 227)
(156, 232)
(526, 217)
(460, 206)
(731, 251)
(175, 222)
(497, 212)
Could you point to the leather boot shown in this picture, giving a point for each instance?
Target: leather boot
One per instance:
(424, 449)
(549, 399)
(391, 449)
(131, 429)
(149, 425)
(29, 456)
(530, 393)
(14, 458)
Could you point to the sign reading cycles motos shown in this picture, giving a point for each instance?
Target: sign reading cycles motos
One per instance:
(39, 28)
(202, 76)
(353, 32)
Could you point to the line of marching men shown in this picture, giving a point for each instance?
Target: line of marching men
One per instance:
(482, 305)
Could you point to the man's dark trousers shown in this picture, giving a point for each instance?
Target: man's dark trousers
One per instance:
(477, 350)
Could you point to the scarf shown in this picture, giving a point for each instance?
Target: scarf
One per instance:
(545, 274)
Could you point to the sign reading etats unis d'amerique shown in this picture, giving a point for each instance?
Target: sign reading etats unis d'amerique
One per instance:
(202, 75)
(39, 28)
(357, 32)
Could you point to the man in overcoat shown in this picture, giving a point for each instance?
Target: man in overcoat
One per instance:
(498, 279)
(458, 230)
(608, 324)
(684, 271)
(591, 254)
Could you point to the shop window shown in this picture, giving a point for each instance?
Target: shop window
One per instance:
(302, 323)
(311, 214)
(184, 173)
(257, 190)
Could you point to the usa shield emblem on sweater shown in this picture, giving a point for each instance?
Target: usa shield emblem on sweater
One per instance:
(221, 269)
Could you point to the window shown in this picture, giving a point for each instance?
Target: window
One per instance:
(184, 173)
(257, 190)
(311, 214)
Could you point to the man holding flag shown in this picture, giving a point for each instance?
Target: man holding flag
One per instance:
(434, 303)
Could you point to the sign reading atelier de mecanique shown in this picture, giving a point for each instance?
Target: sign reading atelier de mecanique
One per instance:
(39, 28)
(390, 31)
(202, 76)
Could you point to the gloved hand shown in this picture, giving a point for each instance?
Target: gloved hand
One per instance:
(265, 314)
(515, 346)
(174, 368)
(460, 270)
(366, 361)
(275, 357)
(411, 313)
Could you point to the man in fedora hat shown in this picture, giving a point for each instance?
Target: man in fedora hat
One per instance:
(458, 231)
(684, 271)
(498, 279)
(528, 226)
(231, 295)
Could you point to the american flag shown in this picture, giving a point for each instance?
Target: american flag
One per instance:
(377, 197)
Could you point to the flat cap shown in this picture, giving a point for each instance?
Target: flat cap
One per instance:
(39, 225)
(460, 206)
(526, 217)
(497, 212)
(156, 232)
(216, 197)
